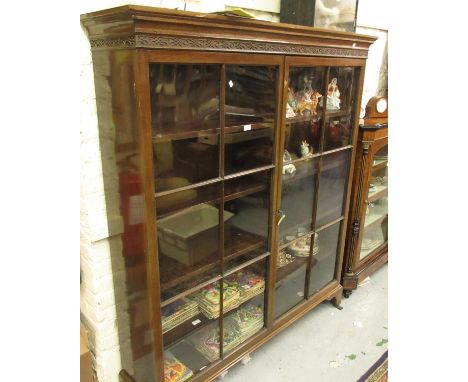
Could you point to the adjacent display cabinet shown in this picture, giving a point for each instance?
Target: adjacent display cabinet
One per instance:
(233, 143)
(367, 240)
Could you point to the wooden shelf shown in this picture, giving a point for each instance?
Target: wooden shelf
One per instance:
(365, 253)
(377, 194)
(232, 191)
(304, 168)
(302, 118)
(380, 165)
(241, 243)
(197, 130)
(337, 113)
(308, 117)
(282, 272)
(373, 220)
(186, 328)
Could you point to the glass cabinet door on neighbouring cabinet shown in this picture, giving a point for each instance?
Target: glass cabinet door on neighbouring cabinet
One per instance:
(316, 158)
(213, 149)
(376, 204)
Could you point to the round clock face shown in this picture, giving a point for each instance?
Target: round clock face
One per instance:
(381, 105)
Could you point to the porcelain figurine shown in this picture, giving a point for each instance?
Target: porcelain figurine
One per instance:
(305, 151)
(289, 168)
(309, 101)
(289, 111)
(292, 101)
(333, 95)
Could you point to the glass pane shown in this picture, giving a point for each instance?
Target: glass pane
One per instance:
(380, 158)
(114, 77)
(248, 316)
(297, 198)
(193, 352)
(375, 227)
(188, 238)
(341, 92)
(304, 111)
(324, 260)
(333, 178)
(247, 200)
(290, 283)
(185, 122)
(376, 218)
(250, 112)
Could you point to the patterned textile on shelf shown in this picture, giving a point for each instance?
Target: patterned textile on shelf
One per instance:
(174, 370)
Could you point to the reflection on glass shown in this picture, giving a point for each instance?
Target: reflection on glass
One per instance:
(248, 317)
(289, 287)
(188, 238)
(341, 92)
(297, 199)
(185, 120)
(337, 133)
(376, 218)
(324, 261)
(303, 110)
(249, 117)
(332, 186)
(196, 350)
(341, 88)
(248, 199)
(380, 157)
(304, 92)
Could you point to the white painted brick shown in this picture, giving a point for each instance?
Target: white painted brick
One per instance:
(104, 343)
(120, 325)
(104, 284)
(102, 250)
(103, 300)
(110, 313)
(104, 268)
(102, 229)
(108, 365)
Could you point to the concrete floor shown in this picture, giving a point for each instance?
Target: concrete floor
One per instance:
(326, 344)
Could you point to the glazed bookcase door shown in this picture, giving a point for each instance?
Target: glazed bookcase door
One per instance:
(375, 226)
(214, 128)
(318, 142)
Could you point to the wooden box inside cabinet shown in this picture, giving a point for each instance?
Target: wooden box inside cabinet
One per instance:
(367, 240)
(234, 145)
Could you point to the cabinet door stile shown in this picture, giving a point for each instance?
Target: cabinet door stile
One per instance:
(357, 107)
(152, 273)
(274, 197)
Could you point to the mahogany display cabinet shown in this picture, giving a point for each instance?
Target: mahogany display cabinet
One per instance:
(234, 148)
(367, 239)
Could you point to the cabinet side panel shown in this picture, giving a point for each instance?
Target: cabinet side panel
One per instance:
(123, 159)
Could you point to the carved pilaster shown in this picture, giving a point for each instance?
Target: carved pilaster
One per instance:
(357, 212)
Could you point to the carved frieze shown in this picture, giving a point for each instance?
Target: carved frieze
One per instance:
(211, 44)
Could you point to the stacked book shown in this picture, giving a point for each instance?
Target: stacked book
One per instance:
(174, 370)
(248, 320)
(208, 342)
(248, 283)
(177, 312)
(209, 299)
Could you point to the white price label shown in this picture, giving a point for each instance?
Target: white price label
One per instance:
(247, 127)
(196, 322)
